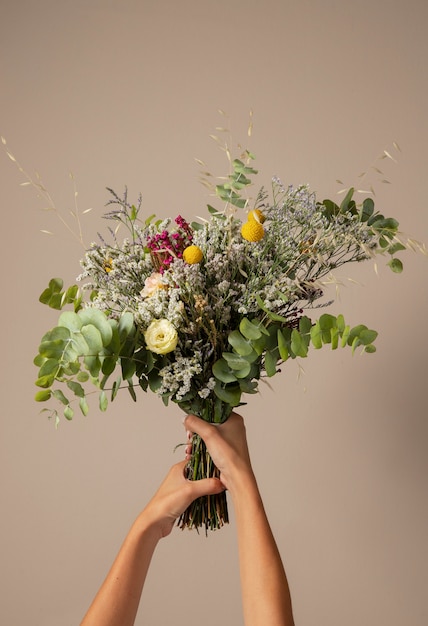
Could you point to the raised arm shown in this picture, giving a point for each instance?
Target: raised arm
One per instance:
(265, 592)
(116, 603)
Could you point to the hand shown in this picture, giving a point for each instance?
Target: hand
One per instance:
(173, 497)
(227, 445)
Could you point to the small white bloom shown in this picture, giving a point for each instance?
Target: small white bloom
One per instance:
(161, 337)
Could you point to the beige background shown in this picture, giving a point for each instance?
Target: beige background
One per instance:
(126, 93)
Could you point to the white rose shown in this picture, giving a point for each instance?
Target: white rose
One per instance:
(152, 284)
(161, 337)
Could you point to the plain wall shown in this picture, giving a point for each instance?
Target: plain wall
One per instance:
(127, 93)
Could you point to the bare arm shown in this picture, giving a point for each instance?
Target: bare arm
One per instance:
(116, 603)
(265, 592)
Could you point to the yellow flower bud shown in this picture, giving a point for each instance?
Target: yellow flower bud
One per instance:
(192, 254)
(257, 216)
(252, 231)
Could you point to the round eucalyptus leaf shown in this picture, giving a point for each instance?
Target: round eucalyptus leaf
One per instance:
(239, 343)
(70, 320)
(230, 394)
(249, 330)
(98, 319)
(93, 339)
(222, 372)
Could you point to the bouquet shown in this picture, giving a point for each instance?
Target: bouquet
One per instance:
(199, 313)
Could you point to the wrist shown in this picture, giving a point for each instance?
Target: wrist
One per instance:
(243, 484)
(150, 526)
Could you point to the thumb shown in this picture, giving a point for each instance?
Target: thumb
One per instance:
(206, 487)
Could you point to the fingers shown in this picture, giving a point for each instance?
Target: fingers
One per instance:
(197, 425)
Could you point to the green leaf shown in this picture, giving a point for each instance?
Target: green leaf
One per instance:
(355, 344)
(55, 301)
(68, 412)
(230, 394)
(370, 348)
(239, 343)
(367, 336)
(39, 360)
(249, 329)
(316, 336)
(76, 388)
(128, 368)
(93, 365)
(234, 361)
(396, 265)
(93, 339)
(396, 247)
(346, 200)
(84, 407)
(345, 335)
(50, 366)
(55, 286)
(366, 209)
(222, 372)
(98, 319)
(298, 346)
(243, 372)
(340, 322)
(79, 345)
(155, 381)
(126, 326)
(132, 391)
(54, 342)
(45, 381)
(355, 333)
(334, 338)
(327, 322)
(58, 395)
(103, 402)
(71, 293)
(108, 365)
(305, 325)
(42, 396)
(330, 208)
(282, 345)
(271, 360)
(115, 387)
(82, 376)
(248, 386)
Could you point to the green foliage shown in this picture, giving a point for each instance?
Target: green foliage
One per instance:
(384, 229)
(230, 191)
(54, 297)
(85, 345)
(258, 348)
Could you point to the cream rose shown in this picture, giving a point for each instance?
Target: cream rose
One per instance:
(161, 337)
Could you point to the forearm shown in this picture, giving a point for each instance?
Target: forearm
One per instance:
(265, 592)
(116, 603)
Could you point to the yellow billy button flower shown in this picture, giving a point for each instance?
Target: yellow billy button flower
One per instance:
(252, 231)
(192, 254)
(256, 216)
(108, 265)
